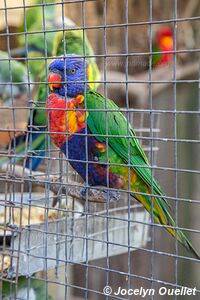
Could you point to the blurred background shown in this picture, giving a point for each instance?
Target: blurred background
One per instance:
(123, 34)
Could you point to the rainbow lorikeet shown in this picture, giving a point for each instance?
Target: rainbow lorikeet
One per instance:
(163, 43)
(99, 142)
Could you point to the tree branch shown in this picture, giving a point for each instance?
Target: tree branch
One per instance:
(138, 87)
(57, 185)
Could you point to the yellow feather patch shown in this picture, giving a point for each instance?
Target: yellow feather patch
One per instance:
(90, 77)
(101, 147)
(72, 121)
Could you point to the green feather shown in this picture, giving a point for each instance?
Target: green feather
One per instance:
(34, 16)
(12, 72)
(156, 57)
(118, 126)
(35, 40)
(75, 43)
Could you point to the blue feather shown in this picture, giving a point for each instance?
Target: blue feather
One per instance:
(76, 82)
(75, 151)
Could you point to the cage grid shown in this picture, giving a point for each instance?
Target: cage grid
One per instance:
(54, 244)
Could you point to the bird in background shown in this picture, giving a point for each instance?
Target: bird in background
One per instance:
(37, 45)
(25, 289)
(163, 42)
(34, 44)
(14, 86)
(71, 41)
(12, 72)
(99, 142)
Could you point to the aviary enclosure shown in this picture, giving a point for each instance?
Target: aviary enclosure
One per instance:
(70, 225)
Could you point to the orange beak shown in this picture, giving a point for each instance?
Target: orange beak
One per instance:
(55, 80)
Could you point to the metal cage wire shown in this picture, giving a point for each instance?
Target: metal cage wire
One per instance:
(73, 237)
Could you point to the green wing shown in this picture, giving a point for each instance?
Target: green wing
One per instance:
(156, 57)
(118, 129)
(34, 14)
(105, 119)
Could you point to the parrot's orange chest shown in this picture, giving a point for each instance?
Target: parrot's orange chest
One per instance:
(65, 117)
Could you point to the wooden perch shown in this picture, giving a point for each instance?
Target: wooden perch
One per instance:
(138, 87)
(74, 189)
(190, 8)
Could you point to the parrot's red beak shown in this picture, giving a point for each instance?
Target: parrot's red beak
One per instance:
(55, 80)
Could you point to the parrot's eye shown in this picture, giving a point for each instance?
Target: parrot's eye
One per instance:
(72, 71)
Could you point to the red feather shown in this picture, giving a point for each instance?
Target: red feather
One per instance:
(65, 118)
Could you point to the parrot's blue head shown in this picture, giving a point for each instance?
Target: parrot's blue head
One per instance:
(68, 76)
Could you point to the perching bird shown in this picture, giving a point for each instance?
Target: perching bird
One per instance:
(163, 43)
(78, 114)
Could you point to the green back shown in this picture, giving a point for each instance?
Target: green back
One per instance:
(107, 119)
(34, 16)
(38, 41)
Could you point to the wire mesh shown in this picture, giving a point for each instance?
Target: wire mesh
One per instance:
(55, 243)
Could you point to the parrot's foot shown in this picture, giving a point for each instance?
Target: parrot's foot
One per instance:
(104, 196)
(83, 191)
(96, 194)
(111, 196)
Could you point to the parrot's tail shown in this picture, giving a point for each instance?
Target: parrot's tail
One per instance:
(20, 150)
(187, 244)
(162, 216)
